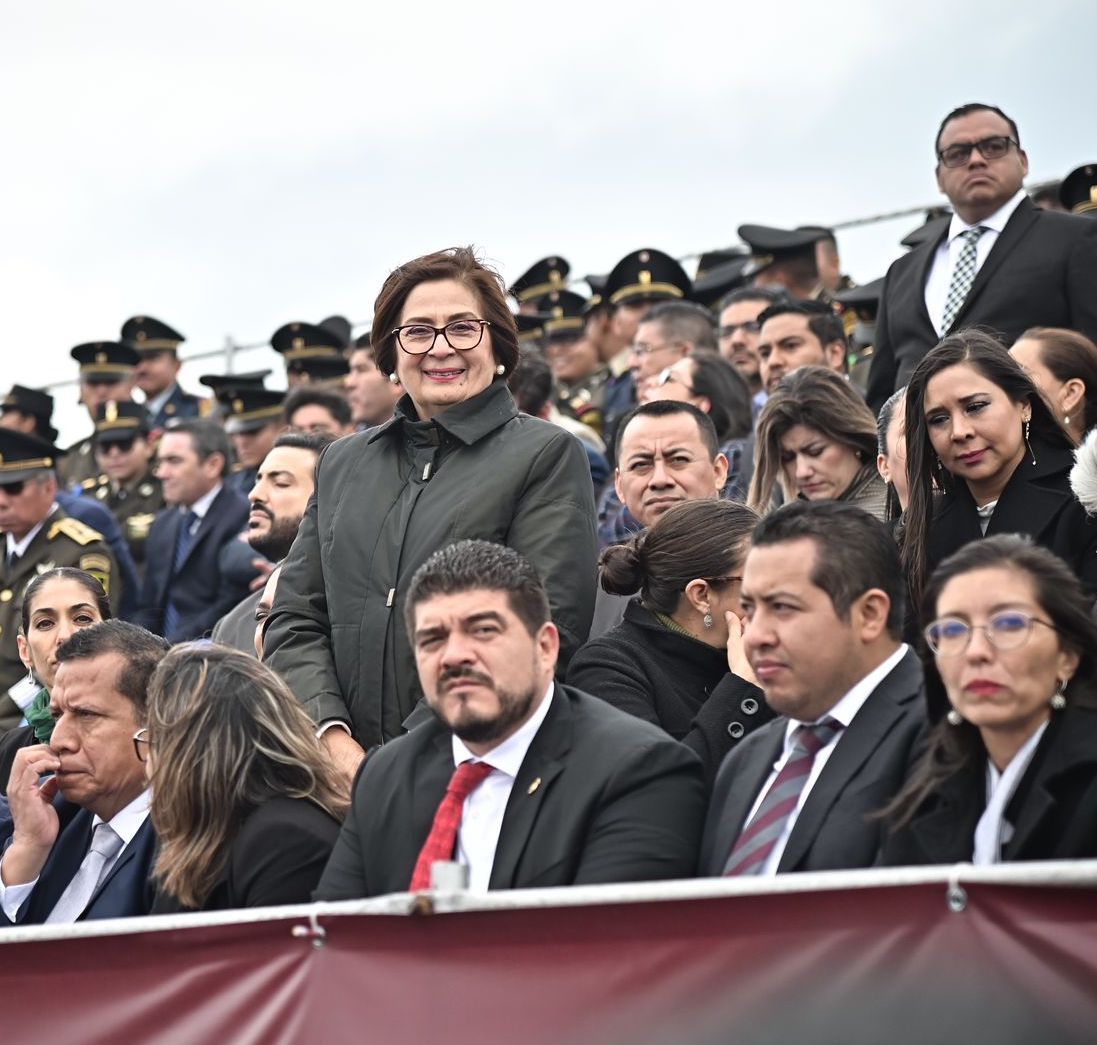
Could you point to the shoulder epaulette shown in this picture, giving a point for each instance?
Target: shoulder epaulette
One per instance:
(75, 530)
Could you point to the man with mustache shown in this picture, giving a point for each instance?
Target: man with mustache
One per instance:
(524, 782)
(283, 485)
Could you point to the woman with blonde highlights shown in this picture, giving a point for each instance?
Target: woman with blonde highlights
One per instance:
(245, 805)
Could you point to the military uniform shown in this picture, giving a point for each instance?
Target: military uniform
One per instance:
(313, 353)
(78, 465)
(584, 400)
(133, 504)
(150, 337)
(180, 406)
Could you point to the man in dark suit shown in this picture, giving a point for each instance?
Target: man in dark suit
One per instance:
(823, 594)
(197, 567)
(65, 866)
(1002, 263)
(528, 783)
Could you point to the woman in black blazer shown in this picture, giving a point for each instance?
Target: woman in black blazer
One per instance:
(677, 658)
(245, 804)
(985, 456)
(1011, 683)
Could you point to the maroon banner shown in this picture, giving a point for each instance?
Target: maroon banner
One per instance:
(894, 963)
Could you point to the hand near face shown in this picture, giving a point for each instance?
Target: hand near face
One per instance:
(35, 819)
(737, 657)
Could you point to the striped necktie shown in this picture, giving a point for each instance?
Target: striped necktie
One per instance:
(962, 276)
(183, 541)
(756, 842)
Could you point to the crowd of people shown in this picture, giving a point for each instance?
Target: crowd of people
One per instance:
(742, 574)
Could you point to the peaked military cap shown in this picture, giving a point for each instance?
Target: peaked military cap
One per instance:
(249, 409)
(29, 401)
(647, 275)
(115, 422)
(721, 271)
(530, 328)
(771, 245)
(24, 456)
(319, 368)
(105, 360)
(1078, 193)
(937, 220)
(340, 327)
(597, 297)
(145, 334)
(562, 313)
(364, 340)
(296, 341)
(546, 275)
(865, 298)
(219, 383)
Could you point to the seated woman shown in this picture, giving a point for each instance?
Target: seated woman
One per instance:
(817, 435)
(1011, 769)
(891, 454)
(56, 604)
(677, 658)
(985, 456)
(1063, 366)
(245, 804)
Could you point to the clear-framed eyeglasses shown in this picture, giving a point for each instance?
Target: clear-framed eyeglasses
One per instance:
(461, 335)
(1010, 629)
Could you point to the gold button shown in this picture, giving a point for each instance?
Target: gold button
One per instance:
(6, 595)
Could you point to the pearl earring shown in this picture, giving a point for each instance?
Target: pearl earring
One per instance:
(500, 369)
(393, 379)
(1066, 420)
(954, 717)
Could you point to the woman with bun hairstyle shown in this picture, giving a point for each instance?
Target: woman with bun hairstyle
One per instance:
(1063, 366)
(677, 660)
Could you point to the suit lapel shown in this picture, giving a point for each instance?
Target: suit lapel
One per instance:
(205, 524)
(947, 830)
(542, 765)
(130, 853)
(924, 263)
(65, 860)
(758, 762)
(1028, 503)
(433, 769)
(1020, 221)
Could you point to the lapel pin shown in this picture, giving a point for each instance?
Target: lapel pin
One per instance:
(534, 786)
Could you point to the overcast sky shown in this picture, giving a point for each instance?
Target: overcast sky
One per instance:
(230, 167)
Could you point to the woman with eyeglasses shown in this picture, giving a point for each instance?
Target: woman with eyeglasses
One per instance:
(56, 604)
(245, 804)
(985, 456)
(714, 386)
(1011, 687)
(817, 436)
(456, 461)
(677, 660)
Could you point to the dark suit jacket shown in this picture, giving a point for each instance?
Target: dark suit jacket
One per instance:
(1053, 810)
(864, 772)
(180, 405)
(125, 892)
(277, 857)
(237, 627)
(1041, 271)
(201, 589)
(616, 800)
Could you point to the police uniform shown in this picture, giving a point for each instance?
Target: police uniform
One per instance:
(313, 353)
(147, 337)
(59, 541)
(248, 410)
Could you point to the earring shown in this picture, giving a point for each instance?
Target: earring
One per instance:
(1058, 698)
(500, 370)
(393, 379)
(707, 619)
(937, 462)
(954, 717)
(1028, 426)
(1066, 420)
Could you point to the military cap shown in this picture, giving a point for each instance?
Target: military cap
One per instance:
(865, 298)
(312, 369)
(597, 297)
(770, 245)
(249, 409)
(1078, 193)
(220, 383)
(115, 422)
(364, 340)
(562, 313)
(105, 360)
(28, 401)
(530, 328)
(721, 271)
(340, 327)
(297, 341)
(24, 456)
(546, 275)
(145, 334)
(936, 221)
(647, 275)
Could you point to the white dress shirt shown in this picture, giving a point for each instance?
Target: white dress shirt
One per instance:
(202, 505)
(948, 254)
(844, 712)
(19, 547)
(125, 823)
(993, 830)
(482, 814)
(157, 403)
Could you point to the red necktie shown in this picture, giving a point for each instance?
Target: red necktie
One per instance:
(442, 840)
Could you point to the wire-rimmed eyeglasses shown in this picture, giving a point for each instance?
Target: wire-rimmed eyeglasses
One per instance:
(950, 636)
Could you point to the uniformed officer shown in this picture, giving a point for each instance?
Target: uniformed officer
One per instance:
(126, 484)
(157, 374)
(253, 419)
(863, 304)
(804, 261)
(543, 277)
(304, 348)
(106, 372)
(531, 331)
(1078, 193)
(579, 373)
(28, 410)
(38, 536)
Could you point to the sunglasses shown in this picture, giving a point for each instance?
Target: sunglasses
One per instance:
(13, 489)
(123, 446)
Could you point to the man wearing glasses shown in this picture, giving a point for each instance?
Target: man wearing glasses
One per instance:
(1002, 263)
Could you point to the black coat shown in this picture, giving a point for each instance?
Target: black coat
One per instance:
(385, 501)
(835, 830)
(1053, 810)
(1041, 271)
(277, 857)
(673, 681)
(203, 588)
(600, 797)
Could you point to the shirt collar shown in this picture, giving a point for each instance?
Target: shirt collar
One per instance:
(511, 753)
(127, 822)
(157, 403)
(202, 505)
(20, 546)
(996, 222)
(469, 421)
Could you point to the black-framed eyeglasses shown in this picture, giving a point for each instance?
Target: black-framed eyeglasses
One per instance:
(1010, 629)
(751, 326)
(13, 489)
(142, 744)
(992, 148)
(417, 339)
(667, 376)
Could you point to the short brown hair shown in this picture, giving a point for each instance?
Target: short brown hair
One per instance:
(459, 264)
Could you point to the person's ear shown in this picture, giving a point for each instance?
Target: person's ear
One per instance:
(24, 650)
(870, 614)
(548, 643)
(836, 356)
(697, 595)
(882, 467)
(720, 472)
(1071, 396)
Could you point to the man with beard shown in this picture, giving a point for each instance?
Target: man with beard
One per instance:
(523, 781)
(283, 486)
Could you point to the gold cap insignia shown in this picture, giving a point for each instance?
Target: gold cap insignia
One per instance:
(238, 406)
(645, 276)
(100, 357)
(110, 412)
(297, 342)
(141, 335)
